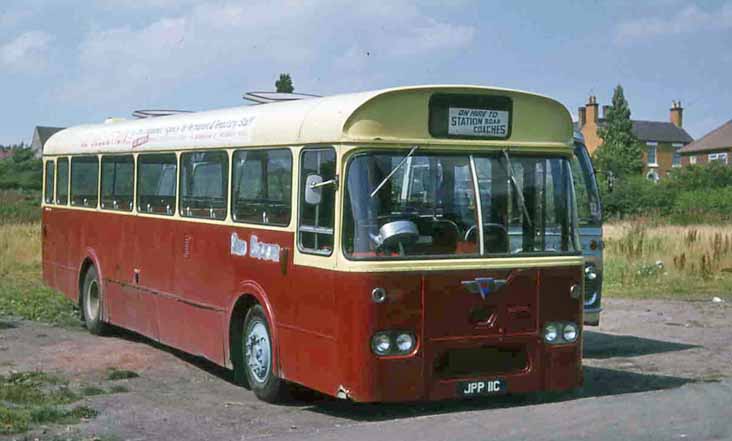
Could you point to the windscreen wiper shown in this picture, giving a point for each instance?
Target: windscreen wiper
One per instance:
(391, 173)
(519, 192)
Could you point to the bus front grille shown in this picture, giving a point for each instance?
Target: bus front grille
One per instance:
(480, 361)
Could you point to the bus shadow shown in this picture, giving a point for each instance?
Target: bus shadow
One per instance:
(599, 382)
(600, 346)
(199, 362)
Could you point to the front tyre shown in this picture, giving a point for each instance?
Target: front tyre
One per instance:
(91, 303)
(257, 358)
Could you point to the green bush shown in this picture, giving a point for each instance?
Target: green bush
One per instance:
(19, 206)
(636, 196)
(21, 171)
(696, 193)
(699, 177)
(714, 206)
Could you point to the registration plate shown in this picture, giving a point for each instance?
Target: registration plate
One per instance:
(482, 387)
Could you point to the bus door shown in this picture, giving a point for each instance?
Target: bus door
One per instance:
(310, 337)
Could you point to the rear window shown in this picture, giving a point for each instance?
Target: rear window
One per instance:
(50, 172)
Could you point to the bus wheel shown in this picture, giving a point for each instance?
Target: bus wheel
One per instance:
(257, 357)
(92, 303)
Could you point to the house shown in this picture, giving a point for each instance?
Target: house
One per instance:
(5, 153)
(714, 146)
(663, 140)
(40, 136)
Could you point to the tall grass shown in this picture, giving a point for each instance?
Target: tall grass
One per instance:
(22, 292)
(19, 206)
(643, 259)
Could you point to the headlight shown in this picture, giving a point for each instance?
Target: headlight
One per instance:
(551, 332)
(381, 343)
(590, 272)
(561, 332)
(404, 343)
(570, 332)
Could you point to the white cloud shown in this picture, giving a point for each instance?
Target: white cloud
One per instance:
(215, 37)
(688, 20)
(27, 51)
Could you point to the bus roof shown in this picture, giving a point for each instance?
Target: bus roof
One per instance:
(397, 115)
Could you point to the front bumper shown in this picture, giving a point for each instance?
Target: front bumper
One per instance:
(416, 378)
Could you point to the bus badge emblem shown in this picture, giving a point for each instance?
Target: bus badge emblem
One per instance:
(483, 285)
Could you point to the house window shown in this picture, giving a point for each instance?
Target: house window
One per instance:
(652, 176)
(721, 157)
(652, 147)
(676, 161)
(692, 159)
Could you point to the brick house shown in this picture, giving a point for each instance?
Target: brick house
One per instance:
(714, 146)
(663, 140)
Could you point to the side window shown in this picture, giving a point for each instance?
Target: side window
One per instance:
(62, 181)
(84, 181)
(48, 188)
(203, 184)
(579, 178)
(262, 186)
(317, 213)
(118, 174)
(156, 183)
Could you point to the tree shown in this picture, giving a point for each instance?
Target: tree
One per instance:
(621, 153)
(284, 84)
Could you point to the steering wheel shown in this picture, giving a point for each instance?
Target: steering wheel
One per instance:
(490, 225)
(397, 234)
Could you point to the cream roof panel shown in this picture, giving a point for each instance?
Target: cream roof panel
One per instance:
(390, 114)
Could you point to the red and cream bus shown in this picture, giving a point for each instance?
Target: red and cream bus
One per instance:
(414, 243)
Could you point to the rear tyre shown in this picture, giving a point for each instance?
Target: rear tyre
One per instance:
(91, 303)
(257, 359)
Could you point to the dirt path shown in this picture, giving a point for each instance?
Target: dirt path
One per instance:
(641, 347)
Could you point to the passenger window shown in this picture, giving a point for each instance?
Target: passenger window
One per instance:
(156, 183)
(204, 184)
(48, 195)
(262, 187)
(84, 181)
(62, 181)
(118, 174)
(317, 214)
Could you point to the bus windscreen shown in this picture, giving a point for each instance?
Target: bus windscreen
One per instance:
(428, 207)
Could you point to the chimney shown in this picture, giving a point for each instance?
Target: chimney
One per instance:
(582, 115)
(591, 112)
(676, 114)
(604, 111)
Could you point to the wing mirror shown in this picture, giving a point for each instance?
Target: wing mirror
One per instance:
(314, 188)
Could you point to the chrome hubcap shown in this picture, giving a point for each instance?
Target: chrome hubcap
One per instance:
(257, 354)
(92, 300)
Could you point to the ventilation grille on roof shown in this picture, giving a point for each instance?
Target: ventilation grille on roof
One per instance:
(152, 113)
(275, 97)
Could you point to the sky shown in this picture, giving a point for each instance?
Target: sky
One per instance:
(68, 62)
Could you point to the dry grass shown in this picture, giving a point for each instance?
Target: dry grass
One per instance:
(22, 292)
(20, 246)
(650, 260)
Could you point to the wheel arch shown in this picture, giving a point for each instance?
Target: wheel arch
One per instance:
(90, 259)
(249, 294)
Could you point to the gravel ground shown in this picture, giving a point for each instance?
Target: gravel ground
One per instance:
(644, 352)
